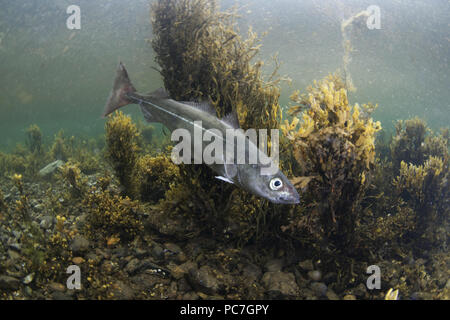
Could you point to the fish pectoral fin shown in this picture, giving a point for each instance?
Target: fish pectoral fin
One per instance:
(230, 170)
(224, 179)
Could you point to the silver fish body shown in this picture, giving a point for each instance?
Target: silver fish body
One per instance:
(200, 117)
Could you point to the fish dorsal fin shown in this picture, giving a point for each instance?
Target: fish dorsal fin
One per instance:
(204, 106)
(232, 119)
(160, 93)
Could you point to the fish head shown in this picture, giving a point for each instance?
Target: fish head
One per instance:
(274, 187)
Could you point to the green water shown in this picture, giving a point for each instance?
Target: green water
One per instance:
(60, 78)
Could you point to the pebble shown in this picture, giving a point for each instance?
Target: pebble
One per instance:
(157, 251)
(46, 222)
(9, 283)
(349, 297)
(28, 279)
(315, 275)
(49, 169)
(331, 295)
(204, 280)
(132, 266)
(280, 283)
(79, 244)
(54, 286)
(78, 260)
(191, 296)
(252, 272)
(273, 265)
(319, 288)
(306, 265)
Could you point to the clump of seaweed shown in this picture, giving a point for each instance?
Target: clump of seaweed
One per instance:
(334, 146)
(59, 149)
(122, 147)
(414, 143)
(408, 143)
(425, 189)
(12, 163)
(155, 175)
(71, 173)
(34, 139)
(111, 215)
(202, 57)
(22, 205)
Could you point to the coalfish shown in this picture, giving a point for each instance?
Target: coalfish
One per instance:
(158, 107)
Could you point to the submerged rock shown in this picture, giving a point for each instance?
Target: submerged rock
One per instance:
(203, 279)
(306, 265)
(319, 288)
(315, 275)
(79, 244)
(8, 283)
(49, 169)
(273, 265)
(280, 284)
(46, 222)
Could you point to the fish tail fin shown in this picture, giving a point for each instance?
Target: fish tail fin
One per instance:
(119, 94)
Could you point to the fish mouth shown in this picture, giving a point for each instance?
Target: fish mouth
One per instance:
(288, 200)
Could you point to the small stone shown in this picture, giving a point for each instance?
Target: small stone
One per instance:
(132, 266)
(319, 288)
(57, 295)
(28, 291)
(447, 284)
(49, 169)
(28, 279)
(8, 283)
(78, 260)
(38, 207)
(204, 280)
(306, 265)
(252, 272)
(46, 222)
(331, 295)
(174, 251)
(176, 271)
(273, 265)
(54, 286)
(330, 278)
(122, 291)
(140, 253)
(79, 244)
(15, 246)
(172, 247)
(280, 283)
(360, 291)
(191, 296)
(349, 297)
(157, 251)
(315, 275)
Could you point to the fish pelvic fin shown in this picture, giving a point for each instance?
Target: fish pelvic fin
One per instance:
(119, 94)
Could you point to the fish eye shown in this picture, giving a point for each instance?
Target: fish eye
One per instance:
(276, 184)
